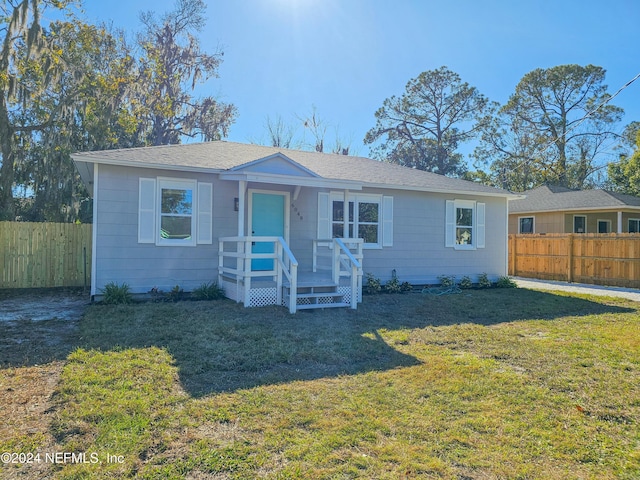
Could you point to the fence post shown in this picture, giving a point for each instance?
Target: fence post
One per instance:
(513, 240)
(570, 258)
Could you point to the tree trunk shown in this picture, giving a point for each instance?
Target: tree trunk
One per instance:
(7, 170)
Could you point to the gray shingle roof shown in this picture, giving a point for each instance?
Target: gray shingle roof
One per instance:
(553, 198)
(222, 156)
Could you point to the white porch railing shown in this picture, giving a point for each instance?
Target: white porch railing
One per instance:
(343, 258)
(284, 263)
(344, 262)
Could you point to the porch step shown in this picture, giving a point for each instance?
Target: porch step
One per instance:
(322, 295)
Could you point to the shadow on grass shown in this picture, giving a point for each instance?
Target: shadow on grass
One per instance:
(221, 346)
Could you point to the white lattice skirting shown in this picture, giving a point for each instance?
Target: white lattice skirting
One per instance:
(261, 297)
(346, 293)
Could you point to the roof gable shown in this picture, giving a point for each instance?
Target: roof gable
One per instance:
(276, 164)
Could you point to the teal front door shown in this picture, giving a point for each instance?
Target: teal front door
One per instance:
(267, 220)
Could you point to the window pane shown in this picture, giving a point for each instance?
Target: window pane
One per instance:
(175, 228)
(177, 201)
(369, 233)
(464, 216)
(338, 211)
(634, 226)
(338, 230)
(603, 227)
(464, 236)
(526, 225)
(351, 211)
(368, 212)
(578, 224)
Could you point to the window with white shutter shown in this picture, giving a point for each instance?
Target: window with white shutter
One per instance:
(464, 224)
(175, 212)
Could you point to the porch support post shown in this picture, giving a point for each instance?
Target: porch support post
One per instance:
(346, 215)
(242, 263)
(242, 191)
(619, 222)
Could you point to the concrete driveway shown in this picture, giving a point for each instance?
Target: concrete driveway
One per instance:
(534, 284)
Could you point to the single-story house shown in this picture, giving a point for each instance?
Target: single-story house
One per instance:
(278, 226)
(554, 209)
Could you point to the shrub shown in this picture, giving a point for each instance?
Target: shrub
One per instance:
(506, 282)
(208, 291)
(175, 294)
(483, 281)
(373, 285)
(466, 282)
(447, 281)
(406, 287)
(157, 295)
(115, 294)
(393, 285)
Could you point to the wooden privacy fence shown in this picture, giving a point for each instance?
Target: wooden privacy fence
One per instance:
(601, 259)
(37, 255)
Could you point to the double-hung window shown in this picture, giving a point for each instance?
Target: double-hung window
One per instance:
(464, 226)
(361, 219)
(177, 218)
(526, 224)
(634, 225)
(366, 216)
(579, 224)
(604, 226)
(175, 212)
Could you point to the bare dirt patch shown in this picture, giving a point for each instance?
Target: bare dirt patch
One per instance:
(38, 326)
(38, 305)
(25, 394)
(38, 329)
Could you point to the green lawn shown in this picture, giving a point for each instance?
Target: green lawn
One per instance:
(487, 384)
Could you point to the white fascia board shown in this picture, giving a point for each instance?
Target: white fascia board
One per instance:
(291, 180)
(155, 166)
(508, 196)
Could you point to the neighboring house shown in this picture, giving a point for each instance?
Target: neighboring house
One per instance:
(262, 220)
(552, 209)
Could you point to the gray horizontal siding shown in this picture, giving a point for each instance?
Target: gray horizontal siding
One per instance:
(120, 258)
(418, 254)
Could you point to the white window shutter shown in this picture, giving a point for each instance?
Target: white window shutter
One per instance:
(480, 214)
(205, 213)
(324, 220)
(450, 224)
(387, 221)
(147, 210)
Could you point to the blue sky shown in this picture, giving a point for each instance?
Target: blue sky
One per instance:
(281, 57)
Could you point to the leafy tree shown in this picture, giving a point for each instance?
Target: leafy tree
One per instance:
(29, 65)
(77, 112)
(69, 86)
(170, 68)
(624, 175)
(424, 127)
(553, 129)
